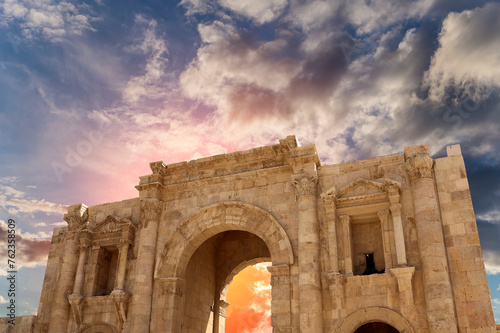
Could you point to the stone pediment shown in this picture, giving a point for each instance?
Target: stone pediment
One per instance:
(362, 191)
(110, 231)
(112, 223)
(361, 187)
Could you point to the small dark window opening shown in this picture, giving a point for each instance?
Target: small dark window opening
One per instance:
(370, 265)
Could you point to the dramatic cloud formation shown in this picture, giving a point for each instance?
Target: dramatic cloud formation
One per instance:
(31, 250)
(249, 296)
(92, 92)
(467, 53)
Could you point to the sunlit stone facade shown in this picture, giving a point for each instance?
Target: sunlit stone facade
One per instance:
(162, 262)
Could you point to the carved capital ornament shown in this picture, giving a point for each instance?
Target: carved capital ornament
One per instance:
(305, 185)
(150, 210)
(419, 166)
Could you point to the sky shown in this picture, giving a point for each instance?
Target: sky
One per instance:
(94, 90)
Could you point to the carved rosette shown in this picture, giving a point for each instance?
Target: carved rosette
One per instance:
(419, 166)
(305, 185)
(150, 210)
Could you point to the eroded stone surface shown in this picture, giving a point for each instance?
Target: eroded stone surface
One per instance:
(161, 262)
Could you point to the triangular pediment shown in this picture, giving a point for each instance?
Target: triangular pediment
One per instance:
(361, 187)
(112, 223)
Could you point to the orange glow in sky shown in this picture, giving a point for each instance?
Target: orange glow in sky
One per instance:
(249, 295)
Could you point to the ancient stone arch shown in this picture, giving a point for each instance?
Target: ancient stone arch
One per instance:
(171, 277)
(159, 261)
(375, 314)
(215, 219)
(99, 328)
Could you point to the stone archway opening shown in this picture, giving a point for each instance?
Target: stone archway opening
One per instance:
(210, 270)
(249, 298)
(376, 327)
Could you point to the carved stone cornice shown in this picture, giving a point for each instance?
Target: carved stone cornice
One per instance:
(305, 185)
(150, 210)
(76, 216)
(419, 166)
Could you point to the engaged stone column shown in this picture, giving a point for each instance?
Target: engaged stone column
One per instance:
(346, 237)
(140, 312)
(310, 300)
(437, 287)
(122, 264)
(383, 216)
(61, 308)
(80, 276)
(331, 220)
(399, 237)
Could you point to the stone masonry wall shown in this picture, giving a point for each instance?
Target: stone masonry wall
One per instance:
(470, 288)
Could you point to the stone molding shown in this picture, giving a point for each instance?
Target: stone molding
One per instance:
(419, 166)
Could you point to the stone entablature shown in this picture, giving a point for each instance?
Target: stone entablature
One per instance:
(162, 262)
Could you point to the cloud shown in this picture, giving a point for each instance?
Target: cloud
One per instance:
(31, 249)
(18, 202)
(3, 300)
(47, 19)
(260, 11)
(250, 301)
(156, 49)
(491, 262)
(467, 53)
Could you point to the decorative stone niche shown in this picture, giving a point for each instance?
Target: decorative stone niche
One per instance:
(365, 224)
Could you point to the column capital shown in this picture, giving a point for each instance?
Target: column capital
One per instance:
(383, 214)
(76, 216)
(396, 209)
(84, 247)
(305, 184)
(419, 166)
(345, 219)
(150, 210)
(280, 274)
(403, 273)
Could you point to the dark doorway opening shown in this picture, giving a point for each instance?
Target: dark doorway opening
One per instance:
(376, 328)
